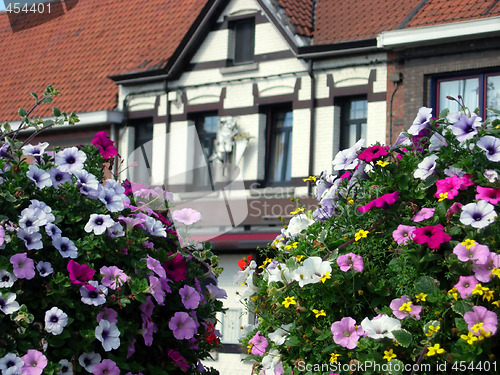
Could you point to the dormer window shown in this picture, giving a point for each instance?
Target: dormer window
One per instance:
(243, 41)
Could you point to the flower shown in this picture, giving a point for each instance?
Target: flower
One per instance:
(38, 150)
(106, 367)
(361, 234)
(380, 327)
(403, 308)
(466, 127)
(178, 359)
(297, 224)
(279, 336)
(108, 334)
(70, 159)
(190, 297)
(423, 214)
(318, 313)
(346, 333)
(348, 158)
(245, 262)
(66, 247)
(11, 364)
(34, 362)
(215, 292)
(176, 268)
(95, 296)
(478, 215)
(44, 268)
(481, 315)
(186, 216)
(490, 195)
(8, 303)
(80, 274)
(289, 301)
(113, 277)
(433, 236)
(40, 177)
(389, 354)
(433, 350)
(260, 344)
(58, 177)
(403, 233)
(465, 286)
(421, 121)
(24, 267)
(32, 239)
(55, 320)
(89, 360)
(351, 260)
(182, 325)
(383, 201)
(373, 152)
(98, 223)
(6, 279)
(426, 167)
(491, 145)
(471, 251)
(312, 271)
(104, 144)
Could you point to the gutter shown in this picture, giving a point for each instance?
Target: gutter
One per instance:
(428, 35)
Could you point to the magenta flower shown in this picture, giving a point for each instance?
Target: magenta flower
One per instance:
(424, 214)
(186, 216)
(478, 315)
(383, 201)
(490, 195)
(106, 367)
(176, 268)
(113, 277)
(351, 260)
(475, 254)
(448, 186)
(260, 344)
(465, 286)
(454, 209)
(182, 325)
(373, 152)
(80, 274)
(190, 297)
(104, 144)
(34, 362)
(403, 233)
(403, 308)
(433, 236)
(178, 359)
(346, 332)
(24, 267)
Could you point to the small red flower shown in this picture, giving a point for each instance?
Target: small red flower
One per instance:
(245, 262)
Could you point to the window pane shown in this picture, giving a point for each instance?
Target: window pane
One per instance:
(353, 127)
(244, 36)
(280, 159)
(206, 127)
(468, 89)
(493, 95)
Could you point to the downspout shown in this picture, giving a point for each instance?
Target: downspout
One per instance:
(312, 120)
(396, 78)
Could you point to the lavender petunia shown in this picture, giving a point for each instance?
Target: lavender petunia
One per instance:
(108, 334)
(59, 177)
(491, 145)
(421, 121)
(96, 296)
(466, 127)
(182, 325)
(8, 303)
(40, 177)
(478, 215)
(89, 360)
(98, 223)
(24, 267)
(190, 297)
(44, 268)
(66, 247)
(426, 167)
(70, 159)
(32, 240)
(7, 279)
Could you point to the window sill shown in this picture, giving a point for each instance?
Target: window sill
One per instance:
(240, 68)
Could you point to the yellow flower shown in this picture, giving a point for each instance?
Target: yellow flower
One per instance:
(289, 301)
(489, 295)
(249, 347)
(326, 276)
(318, 313)
(468, 243)
(433, 350)
(496, 303)
(382, 163)
(405, 307)
(334, 357)
(432, 330)
(483, 334)
(265, 263)
(421, 297)
(291, 246)
(389, 354)
(477, 327)
(350, 200)
(453, 292)
(479, 289)
(495, 272)
(361, 234)
(310, 178)
(443, 196)
(296, 211)
(300, 257)
(470, 338)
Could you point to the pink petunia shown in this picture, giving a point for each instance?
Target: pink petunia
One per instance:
(482, 271)
(465, 286)
(373, 152)
(488, 194)
(454, 209)
(351, 260)
(478, 315)
(403, 308)
(107, 366)
(403, 233)
(260, 344)
(475, 254)
(383, 201)
(113, 277)
(433, 236)
(423, 214)
(23, 267)
(346, 333)
(104, 144)
(34, 362)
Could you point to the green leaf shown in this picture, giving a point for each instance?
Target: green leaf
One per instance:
(426, 284)
(34, 95)
(444, 113)
(22, 112)
(495, 111)
(47, 99)
(56, 112)
(293, 341)
(461, 307)
(403, 337)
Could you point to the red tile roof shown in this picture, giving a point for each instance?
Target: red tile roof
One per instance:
(78, 51)
(300, 14)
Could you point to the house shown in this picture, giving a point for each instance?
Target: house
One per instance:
(231, 104)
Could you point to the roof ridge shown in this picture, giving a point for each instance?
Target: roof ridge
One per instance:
(491, 8)
(412, 14)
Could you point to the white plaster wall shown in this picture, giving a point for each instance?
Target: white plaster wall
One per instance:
(214, 47)
(203, 95)
(300, 142)
(268, 39)
(280, 86)
(376, 127)
(159, 153)
(323, 140)
(238, 96)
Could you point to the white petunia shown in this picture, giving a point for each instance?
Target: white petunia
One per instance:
(279, 336)
(108, 334)
(380, 327)
(55, 321)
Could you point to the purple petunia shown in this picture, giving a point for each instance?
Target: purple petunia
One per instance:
(182, 325)
(24, 267)
(66, 247)
(106, 367)
(113, 277)
(351, 260)
(190, 297)
(34, 362)
(491, 145)
(70, 159)
(346, 332)
(466, 127)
